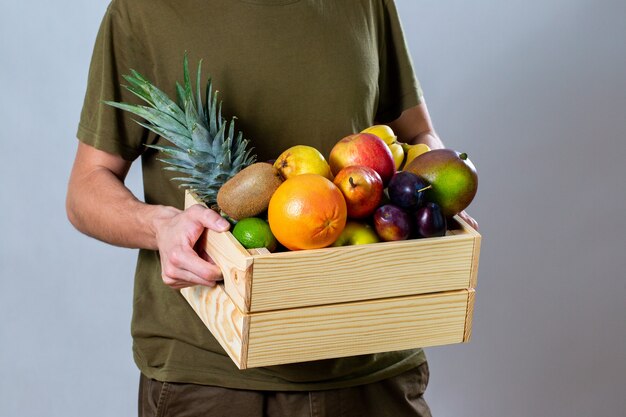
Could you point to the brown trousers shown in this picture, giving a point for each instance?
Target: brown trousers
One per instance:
(399, 396)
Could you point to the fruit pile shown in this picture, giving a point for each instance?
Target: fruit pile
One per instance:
(371, 189)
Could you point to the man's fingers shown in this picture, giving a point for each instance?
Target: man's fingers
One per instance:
(469, 219)
(187, 259)
(209, 218)
(181, 278)
(179, 285)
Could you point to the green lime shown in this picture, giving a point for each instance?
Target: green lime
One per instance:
(253, 233)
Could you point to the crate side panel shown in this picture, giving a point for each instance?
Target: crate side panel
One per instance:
(364, 272)
(234, 260)
(221, 316)
(475, 262)
(342, 330)
(469, 316)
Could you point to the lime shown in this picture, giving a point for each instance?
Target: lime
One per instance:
(254, 233)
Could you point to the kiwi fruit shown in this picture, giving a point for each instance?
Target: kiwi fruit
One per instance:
(248, 193)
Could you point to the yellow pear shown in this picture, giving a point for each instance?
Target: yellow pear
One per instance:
(413, 151)
(302, 159)
(386, 134)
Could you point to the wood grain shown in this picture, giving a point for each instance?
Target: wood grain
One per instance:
(259, 251)
(341, 330)
(469, 316)
(475, 252)
(233, 259)
(351, 273)
(475, 262)
(235, 263)
(216, 310)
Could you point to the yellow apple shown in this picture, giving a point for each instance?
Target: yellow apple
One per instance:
(413, 151)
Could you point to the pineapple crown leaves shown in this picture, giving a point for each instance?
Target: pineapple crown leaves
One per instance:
(205, 148)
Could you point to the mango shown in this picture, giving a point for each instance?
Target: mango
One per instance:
(453, 178)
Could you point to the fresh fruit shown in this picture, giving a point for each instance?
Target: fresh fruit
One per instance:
(453, 178)
(363, 149)
(356, 233)
(307, 212)
(406, 190)
(397, 153)
(302, 159)
(248, 193)
(205, 147)
(386, 134)
(382, 131)
(392, 223)
(362, 188)
(254, 233)
(430, 221)
(413, 151)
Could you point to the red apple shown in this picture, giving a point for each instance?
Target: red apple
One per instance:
(363, 149)
(362, 188)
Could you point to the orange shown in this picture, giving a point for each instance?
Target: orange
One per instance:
(307, 212)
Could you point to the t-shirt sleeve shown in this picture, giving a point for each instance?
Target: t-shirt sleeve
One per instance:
(102, 126)
(398, 86)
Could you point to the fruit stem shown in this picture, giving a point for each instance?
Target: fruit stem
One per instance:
(425, 188)
(463, 156)
(352, 183)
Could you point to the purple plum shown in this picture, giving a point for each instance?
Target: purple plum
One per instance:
(430, 221)
(392, 223)
(406, 190)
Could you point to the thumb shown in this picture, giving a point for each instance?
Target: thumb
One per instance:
(212, 220)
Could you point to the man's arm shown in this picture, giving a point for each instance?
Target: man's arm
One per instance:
(414, 126)
(99, 205)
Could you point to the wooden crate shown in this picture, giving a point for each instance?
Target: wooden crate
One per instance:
(277, 308)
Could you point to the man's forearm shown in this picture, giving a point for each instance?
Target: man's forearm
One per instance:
(428, 138)
(99, 205)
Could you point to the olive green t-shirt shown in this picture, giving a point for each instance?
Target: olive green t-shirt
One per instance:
(293, 72)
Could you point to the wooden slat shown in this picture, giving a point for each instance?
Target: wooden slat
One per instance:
(362, 272)
(466, 227)
(190, 200)
(216, 310)
(475, 252)
(469, 316)
(341, 330)
(259, 251)
(475, 261)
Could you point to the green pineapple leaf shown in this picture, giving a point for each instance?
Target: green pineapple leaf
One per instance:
(206, 148)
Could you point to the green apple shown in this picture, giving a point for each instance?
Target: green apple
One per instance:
(356, 233)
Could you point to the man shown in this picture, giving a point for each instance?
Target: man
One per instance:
(293, 72)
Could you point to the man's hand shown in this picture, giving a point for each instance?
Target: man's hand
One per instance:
(469, 219)
(99, 205)
(176, 237)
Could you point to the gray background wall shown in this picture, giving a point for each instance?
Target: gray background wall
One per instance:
(534, 91)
